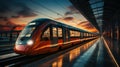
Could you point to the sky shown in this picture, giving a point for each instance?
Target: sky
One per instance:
(17, 13)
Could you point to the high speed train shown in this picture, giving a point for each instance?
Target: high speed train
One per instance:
(45, 35)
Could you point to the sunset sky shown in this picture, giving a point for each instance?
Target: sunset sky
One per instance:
(20, 12)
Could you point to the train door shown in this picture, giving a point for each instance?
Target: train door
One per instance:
(79, 35)
(54, 38)
(60, 35)
(45, 38)
(66, 35)
(82, 35)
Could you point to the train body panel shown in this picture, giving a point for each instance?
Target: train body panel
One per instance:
(45, 35)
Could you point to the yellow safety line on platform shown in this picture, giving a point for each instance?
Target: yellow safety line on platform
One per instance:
(110, 52)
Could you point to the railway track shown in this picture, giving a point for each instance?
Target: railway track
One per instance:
(10, 60)
(6, 51)
(19, 60)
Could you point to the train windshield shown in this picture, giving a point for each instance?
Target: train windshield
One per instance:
(28, 30)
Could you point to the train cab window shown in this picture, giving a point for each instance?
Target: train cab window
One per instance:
(46, 35)
(27, 31)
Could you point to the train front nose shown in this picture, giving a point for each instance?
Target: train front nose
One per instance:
(23, 46)
(21, 49)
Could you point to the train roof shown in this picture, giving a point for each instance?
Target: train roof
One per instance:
(58, 24)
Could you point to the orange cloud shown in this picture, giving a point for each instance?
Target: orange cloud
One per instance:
(9, 28)
(19, 23)
(5, 28)
(8, 24)
(67, 20)
(86, 25)
(6, 21)
(20, 27)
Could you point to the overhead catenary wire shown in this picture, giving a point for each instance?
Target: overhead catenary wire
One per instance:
(49, 8)
(42, 14)
(62, 6)
(39, 13)
(46, 8)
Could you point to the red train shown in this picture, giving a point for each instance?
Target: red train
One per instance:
(45, 35)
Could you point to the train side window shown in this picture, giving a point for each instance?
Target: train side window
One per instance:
(54, 32)
(77, 34)
(72, 33)
(60, 32)
(46, 35)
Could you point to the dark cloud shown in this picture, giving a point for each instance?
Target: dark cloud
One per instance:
(83, 23)
(3, 6)
(72, 10)
(15, 9)
(68, 18)
(2, 18)
(11, 9)
(69, 13)
(15, 16)
(4, 9)
(26, 12)
(65, 18)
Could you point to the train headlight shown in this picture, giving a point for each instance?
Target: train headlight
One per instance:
(18, 42)
(29, 42)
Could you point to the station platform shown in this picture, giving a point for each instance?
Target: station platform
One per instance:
(96, 53)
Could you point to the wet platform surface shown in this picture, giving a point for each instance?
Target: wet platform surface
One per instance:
(96, 53)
